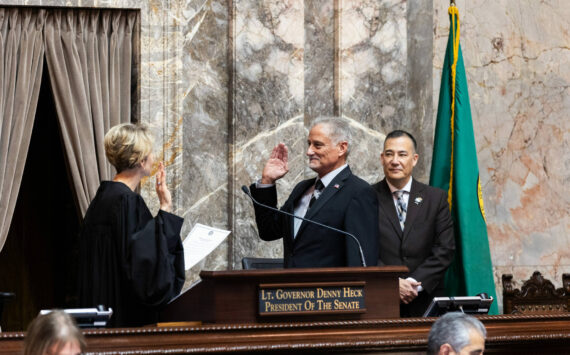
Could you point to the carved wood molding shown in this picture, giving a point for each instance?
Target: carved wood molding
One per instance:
(400, 323)
(535, 287)
(537, 295)
(547, 333)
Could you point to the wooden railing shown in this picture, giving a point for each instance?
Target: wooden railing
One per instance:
(507, 334)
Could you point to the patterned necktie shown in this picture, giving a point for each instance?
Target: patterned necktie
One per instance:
(402, 207)
(319, 187)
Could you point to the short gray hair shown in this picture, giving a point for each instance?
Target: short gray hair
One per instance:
(339, 129)
(453, 328)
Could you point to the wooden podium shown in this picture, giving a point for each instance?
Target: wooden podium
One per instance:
(231, 300)
(289, 295)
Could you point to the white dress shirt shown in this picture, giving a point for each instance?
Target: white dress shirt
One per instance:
(303, 203)
(406, 196)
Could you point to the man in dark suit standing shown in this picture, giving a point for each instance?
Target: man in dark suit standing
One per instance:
(416, 229)
(335, 198)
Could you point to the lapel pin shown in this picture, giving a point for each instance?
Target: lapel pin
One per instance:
(336, 186)
(418, 200)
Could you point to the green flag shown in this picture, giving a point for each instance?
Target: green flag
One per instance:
(454, 168)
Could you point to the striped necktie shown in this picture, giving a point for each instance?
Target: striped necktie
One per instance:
(402, 207)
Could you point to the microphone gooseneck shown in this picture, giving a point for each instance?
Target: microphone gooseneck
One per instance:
(248, 193)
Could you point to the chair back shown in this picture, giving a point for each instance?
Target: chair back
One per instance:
(261, 263)
(536, 296)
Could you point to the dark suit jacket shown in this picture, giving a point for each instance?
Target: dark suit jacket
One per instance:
(348, 203)
(427, 244)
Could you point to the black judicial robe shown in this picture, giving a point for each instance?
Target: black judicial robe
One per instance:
(129, 260)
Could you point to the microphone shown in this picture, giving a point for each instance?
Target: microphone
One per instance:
(246, 190)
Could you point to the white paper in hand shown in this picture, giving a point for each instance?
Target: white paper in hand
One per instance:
(201, 241)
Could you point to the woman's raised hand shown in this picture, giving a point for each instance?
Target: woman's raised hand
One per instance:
(162, 190)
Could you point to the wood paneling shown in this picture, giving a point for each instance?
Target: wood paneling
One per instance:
(544, 334)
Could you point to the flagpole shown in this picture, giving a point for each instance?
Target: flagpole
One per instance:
(455, 169)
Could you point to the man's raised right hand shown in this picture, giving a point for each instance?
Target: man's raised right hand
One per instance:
(276, 167)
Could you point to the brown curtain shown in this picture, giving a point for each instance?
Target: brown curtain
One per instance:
(21, 64)
(89, 55)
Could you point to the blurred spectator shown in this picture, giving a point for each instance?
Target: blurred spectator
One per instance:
(54, 333)
(457, 333)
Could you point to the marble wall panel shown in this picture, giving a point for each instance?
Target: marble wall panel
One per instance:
(160, 93)
(160, 67)
(159, 104)
(159, 83)
(354, 57)
(368, 39)
(372, 61)
(320, 48)
(516, 57)
(280, 64)
(222, 82)
(267, 108)
(419, 91)
(384, 76)
(205, 122)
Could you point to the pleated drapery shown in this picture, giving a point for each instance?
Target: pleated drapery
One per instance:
(21, 66)
(89, 56)
(89, 62)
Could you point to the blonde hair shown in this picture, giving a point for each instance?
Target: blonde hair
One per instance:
(55, 328)
(127, 145)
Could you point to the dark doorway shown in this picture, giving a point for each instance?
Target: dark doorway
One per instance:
(38, 261)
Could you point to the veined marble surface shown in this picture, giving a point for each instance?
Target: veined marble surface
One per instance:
(372, 63)
(204, 93)
(346, 58)
(517, 59)
(221, 82)
(267, 108)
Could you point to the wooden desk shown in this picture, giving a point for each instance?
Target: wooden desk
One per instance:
(507, 334)
(233, 296)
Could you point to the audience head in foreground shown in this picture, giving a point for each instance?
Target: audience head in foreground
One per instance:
(54, 333)
(457, 333)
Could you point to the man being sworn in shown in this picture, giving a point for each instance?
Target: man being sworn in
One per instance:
(335, 198)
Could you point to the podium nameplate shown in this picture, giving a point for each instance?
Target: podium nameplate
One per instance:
(311, 298)
(290, 295)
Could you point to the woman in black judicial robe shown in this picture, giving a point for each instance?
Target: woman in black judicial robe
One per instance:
(130, 261)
